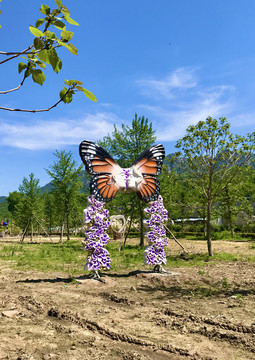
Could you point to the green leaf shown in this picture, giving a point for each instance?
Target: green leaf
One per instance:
(36, 32)
(39, 22)
(66, 35)
(71, 82)
(62, 93)
(41, 64)
(61, 43)
(68, 98)
(55, 60)
(70, 20)
(38, 43)
(80, 88)
(72, 49)
(38, 76)
(58, 66)
(65, 96)
(59, 25)
(89, 95)
(58, 2)
(65, 11)
(43, 55)
(45, 9)
(28, 72)
(22, 66)
(50, 35)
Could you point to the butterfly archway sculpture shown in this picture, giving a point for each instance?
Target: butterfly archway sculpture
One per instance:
(107, 179)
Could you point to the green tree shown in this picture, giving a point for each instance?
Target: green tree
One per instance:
(66, 183)
(175, 192)
(236, 199)
(49, 210)
(13, 200)
(43, 52)
(213, 156)
(29, 209)
(125, 145)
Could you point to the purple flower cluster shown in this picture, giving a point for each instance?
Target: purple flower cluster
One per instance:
(154, 254)
(126, 174)
(96, 237)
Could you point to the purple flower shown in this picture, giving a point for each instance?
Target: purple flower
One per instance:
(154, 254)
(126, 174)
(96, 238)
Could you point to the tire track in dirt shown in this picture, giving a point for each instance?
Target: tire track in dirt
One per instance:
(93, 326)
(116, 299)
(227, 325)
(224, 330)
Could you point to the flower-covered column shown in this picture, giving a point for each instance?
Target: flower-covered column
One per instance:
(96, 237)
(154, 254)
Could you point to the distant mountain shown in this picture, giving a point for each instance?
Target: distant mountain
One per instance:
(3, 207)
(84, 178)
(47, 188)
(2, 199)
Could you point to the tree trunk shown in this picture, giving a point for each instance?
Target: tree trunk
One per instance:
(231, 228)
(230, 222)
(32, 230)
(141, 225)
(204, 220)
(67, 228)
(61, 233)
(208, 228)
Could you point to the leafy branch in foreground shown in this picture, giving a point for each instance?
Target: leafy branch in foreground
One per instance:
(43, 52)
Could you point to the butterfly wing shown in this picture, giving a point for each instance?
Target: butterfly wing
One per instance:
(149, 164)
(103, 187)
(103, 168)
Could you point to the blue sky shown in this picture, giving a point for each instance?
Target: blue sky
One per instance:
(175, 62)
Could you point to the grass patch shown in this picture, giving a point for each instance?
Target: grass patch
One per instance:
(129, 258)
(70, 257)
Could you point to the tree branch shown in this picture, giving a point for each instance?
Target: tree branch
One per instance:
(14, 54)
(38, 110)
(14, 89)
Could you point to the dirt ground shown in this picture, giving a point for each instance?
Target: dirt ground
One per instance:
(199, 313)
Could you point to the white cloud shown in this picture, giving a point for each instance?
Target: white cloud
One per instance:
(245, 120)
(180, 79)
(182, 101)
(52, 134)
(177, 109)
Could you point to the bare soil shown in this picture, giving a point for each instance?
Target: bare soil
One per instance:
(199, 313)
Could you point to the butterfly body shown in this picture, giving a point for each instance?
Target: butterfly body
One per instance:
(128, 179)
(109, 177)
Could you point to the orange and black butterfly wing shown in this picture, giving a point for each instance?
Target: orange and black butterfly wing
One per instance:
(149, 163)
(103, 187)
(103, 168)
(149, 189)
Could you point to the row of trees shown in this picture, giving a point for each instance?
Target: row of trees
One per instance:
(211, 175)
(58, 208)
